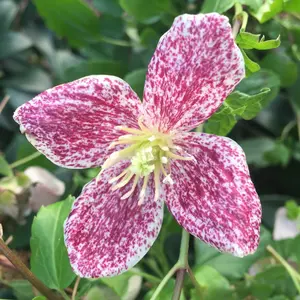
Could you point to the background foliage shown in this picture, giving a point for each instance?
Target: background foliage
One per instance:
(48, 42)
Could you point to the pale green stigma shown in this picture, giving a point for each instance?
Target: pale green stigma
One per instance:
(149, 151)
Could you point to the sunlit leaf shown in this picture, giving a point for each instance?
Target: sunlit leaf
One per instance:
(219, 6)
(236, 105)
(72, 19)
(146, 11)
(247, 40)
(250, 65)
(268, 10)
(49, 259)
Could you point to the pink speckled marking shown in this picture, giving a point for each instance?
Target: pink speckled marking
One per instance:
(104, 235)
(74, 123)
(214, 198)
(194, 68)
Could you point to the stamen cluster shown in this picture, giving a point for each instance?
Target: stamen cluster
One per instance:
(149, 151)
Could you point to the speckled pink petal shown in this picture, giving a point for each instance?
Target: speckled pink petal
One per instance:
(105, 235)
(194, 68)
(213, 197)
(74, 123)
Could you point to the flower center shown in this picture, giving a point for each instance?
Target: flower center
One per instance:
(149, 151)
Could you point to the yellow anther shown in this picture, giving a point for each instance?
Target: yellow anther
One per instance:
(164, 160)
(168, 180)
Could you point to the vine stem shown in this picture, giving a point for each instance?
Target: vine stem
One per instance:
(25, 159)
(75, 288)
(20, 266)
(181, 267)
(298, 123)
(294, 275)
(240, 20)
(164, 281)
(3, 103)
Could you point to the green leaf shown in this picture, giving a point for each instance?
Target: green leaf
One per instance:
(292, 6)
(256, 82)
(136, 80)
(279, 155)
(213, 284)
(278, 280)
(255, 148)
(228, 265)
(292, 209)
(283, 65)
(294, 91)
(110, 7)
(72, 19)
(219, 6)
(22, 289)
(12, 43)
(146, 11)
(8, 11)
(268, 10)
(221, 122)
(247, 40)
(4, 167)
(34, 80)
(250, 65)
(94, 67)
(39, 298)
(49, 258)
(247, 106)
(236, 105)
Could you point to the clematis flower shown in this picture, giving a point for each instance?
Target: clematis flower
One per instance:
(148, 154)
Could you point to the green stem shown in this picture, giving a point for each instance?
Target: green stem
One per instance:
(298, 123)
(294, 275)
(181, 266)
(164, 281)
(20, 266)
(287, 128)
(238, 8)
(144, 275)
(3, 103)
(64, 294)
(184, 249)
(25, 159)
(111, 41)
(179, 284)
(240, 20)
